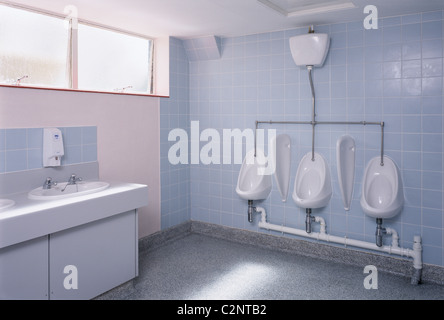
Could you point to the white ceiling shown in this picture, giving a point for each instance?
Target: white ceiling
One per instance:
(194, 18)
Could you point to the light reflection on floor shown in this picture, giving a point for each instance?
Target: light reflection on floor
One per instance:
(236, 283)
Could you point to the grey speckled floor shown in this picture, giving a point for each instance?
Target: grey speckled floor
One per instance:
(198, 267)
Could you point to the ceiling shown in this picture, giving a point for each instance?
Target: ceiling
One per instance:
(194, 18)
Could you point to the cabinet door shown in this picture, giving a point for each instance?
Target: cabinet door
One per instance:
(91, 259)
(24, 271)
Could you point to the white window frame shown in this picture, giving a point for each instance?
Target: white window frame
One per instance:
(73, 60)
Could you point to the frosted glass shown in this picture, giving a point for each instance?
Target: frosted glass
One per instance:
(33, 45)
(111, 61)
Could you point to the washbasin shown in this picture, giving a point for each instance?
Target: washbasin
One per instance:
(6, 203)
(63, 190)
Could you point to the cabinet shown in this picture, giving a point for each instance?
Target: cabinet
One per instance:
(78, 263)
(24, 270)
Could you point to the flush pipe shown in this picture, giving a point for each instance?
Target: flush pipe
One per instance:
(394, 249)
(313, 113)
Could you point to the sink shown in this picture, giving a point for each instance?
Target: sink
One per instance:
(6, 203)
(58, 192)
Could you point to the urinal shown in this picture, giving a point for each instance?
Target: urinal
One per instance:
(312, 188)
(252, 184)
(281, 146)
(382, 190)
(345, 162)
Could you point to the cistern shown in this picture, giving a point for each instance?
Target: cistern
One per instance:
(310, 49)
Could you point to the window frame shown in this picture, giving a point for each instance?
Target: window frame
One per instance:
(72, 63)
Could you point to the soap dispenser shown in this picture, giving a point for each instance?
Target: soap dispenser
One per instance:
(52, 147)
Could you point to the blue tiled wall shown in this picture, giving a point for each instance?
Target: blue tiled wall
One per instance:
(174, 113)
(393, 74)
(22, 149)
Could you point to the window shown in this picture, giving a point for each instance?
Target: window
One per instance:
(33, 47)
(42, 50)
(112, 61)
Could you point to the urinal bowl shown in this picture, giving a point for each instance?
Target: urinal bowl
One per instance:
(382, 190)
(251, 184)
(312, 187)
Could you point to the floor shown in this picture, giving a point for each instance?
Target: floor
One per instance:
(199, 267)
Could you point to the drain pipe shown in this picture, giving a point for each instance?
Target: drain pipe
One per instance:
(308, 220)
(251, 210)
(417, 263)
(380, 231)
(416, 253)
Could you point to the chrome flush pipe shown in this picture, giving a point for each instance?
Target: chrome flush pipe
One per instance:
(313, 113)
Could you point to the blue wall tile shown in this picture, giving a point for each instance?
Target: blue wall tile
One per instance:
(16, 139)
(22, 149)
(16, 160)
(2, 161)
(2, 139)
(35, 160)
(35, 138)
(89, 135)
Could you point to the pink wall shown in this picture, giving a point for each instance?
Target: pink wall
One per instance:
(127, 128)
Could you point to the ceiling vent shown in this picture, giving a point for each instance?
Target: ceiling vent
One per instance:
(293, 8)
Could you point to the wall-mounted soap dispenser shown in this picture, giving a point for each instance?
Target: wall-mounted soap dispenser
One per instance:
(52, 147)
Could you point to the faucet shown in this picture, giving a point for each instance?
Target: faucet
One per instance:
(49, 184)
(72, 181)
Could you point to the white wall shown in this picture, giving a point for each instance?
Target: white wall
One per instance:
(127, 128)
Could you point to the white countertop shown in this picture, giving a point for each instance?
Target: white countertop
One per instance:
(30, 219)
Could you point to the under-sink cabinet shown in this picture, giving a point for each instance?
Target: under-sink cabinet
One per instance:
(81, 262)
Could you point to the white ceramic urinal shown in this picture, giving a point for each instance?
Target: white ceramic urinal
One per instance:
(252, 184)
(281, 146)
(382, 190)
(345, 162)
(312, 188)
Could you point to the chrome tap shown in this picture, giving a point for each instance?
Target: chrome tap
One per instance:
(72, 181)
(49, 184)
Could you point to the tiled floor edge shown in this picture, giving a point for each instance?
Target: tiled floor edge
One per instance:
(160, 238)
